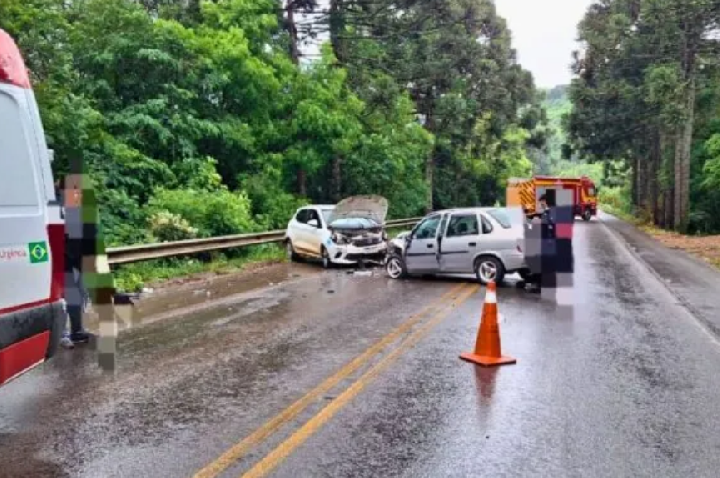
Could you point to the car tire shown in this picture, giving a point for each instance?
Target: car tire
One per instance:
(488, 269)
(327, 263)
(587, 215)
(291, 254)
(395, 267)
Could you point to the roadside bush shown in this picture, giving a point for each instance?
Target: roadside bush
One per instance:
(166, 226)
(616, 198)
(212, 213)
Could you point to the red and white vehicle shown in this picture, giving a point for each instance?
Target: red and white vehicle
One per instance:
(32, 314)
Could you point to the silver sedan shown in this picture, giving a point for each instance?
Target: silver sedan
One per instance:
(485, 241)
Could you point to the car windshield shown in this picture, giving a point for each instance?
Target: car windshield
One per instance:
(501, 217)
(326, 213)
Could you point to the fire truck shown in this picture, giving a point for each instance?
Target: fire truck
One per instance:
(526, 193)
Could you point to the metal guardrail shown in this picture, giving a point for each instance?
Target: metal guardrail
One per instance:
(146, 252)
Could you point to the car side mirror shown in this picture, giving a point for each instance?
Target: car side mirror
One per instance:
(314, 223)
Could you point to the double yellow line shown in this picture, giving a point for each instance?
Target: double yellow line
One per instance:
(440, 310)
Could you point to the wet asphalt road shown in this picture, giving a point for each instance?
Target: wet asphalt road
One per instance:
(626, 385)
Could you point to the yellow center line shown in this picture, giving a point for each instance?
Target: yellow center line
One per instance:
(282, 451)
(241, 448)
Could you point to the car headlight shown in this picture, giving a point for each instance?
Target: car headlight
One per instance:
(338, 239)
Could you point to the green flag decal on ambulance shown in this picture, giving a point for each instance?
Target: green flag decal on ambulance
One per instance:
(38, 252)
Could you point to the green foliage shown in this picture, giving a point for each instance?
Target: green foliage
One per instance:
(212, 213)
(615, 199)
(166, 226)
(133, 277)
(195, 121)
(646, 94)
(575, 169)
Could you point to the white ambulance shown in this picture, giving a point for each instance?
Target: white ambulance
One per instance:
(31, 228)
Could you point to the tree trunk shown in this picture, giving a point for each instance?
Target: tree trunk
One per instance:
(291, 27)
(693, 35)
(337, 27)
(687, 135)
(430, 164)
(429, 172)
(302, 182)
(292, 32)
(634, 193)
(336, 179)
(653, 178)
(678, 180)
(642, 185)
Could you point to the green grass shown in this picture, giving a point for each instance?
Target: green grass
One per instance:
(133, 277)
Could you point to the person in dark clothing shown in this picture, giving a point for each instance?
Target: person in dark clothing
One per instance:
(75, 293)
(543, 275)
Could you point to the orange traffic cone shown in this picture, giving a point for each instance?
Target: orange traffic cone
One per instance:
(487, 345)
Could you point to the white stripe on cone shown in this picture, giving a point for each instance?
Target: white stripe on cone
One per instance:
(491, 297)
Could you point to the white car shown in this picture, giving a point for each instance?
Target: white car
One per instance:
(350, 232)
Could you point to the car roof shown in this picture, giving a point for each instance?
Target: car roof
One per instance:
(466, 209)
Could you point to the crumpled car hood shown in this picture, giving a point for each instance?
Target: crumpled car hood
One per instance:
(361, 207)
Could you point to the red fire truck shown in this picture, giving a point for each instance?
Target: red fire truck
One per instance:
(526, 193)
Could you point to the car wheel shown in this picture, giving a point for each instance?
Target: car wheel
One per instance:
(587, 215)
(395, 267)
(291, 254)
(489, 269)
(325, 257)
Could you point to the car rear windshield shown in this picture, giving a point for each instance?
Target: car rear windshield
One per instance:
(501, 217)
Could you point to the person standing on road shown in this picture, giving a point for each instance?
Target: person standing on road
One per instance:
(540, 253)
(75, 293)
(548, 279)
(542, 274)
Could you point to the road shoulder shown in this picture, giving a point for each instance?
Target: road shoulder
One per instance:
(693, 282)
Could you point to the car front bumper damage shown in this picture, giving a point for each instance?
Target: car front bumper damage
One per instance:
(351, 254)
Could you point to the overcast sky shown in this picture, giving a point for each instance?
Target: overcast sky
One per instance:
(544, 33)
